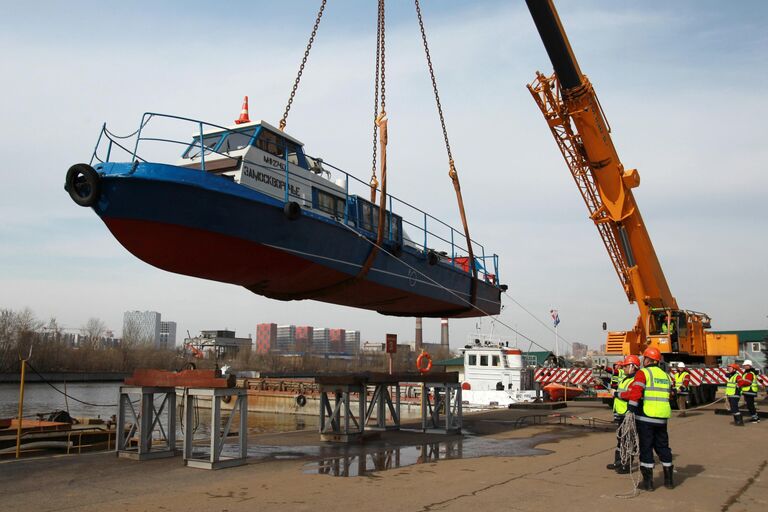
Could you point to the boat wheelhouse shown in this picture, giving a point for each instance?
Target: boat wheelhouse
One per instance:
(495, 375)
(244, 204)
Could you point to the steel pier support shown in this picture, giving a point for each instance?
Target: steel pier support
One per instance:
(215, 458)
(135, 430)
(337, 420)
(381, 402)
(441, 398)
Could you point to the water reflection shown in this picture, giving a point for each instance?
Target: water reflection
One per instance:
(347, 461)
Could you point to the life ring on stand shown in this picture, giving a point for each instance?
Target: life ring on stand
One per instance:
(420, 360)
(301, 400)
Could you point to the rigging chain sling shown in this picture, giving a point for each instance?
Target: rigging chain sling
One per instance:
(284, 120)
(380, 128)
(454, 175)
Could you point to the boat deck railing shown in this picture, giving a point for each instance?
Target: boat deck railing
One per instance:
(430, 234)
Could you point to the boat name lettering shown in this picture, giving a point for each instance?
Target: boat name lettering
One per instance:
(273, 162)
(269, 180)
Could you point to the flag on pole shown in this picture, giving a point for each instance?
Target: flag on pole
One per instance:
(555, 316)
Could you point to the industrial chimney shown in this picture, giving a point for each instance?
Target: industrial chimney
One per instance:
(419, 336)
(444, 332)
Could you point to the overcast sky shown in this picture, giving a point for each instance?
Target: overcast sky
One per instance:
(683, 85)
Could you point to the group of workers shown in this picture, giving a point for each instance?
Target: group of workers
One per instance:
(742, 381)
(647, 390)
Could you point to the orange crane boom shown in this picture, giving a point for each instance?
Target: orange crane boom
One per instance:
(576, 119)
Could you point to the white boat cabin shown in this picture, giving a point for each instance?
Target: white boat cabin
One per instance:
(491, 367)
(260, 156)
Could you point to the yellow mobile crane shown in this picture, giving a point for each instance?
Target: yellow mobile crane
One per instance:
(577, 122)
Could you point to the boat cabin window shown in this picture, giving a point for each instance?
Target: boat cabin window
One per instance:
(368, 219)
(236, 140)
(271, 143)
(327, 203)
(495, 361)
(472, 360)
(483, 360)
(210, 142)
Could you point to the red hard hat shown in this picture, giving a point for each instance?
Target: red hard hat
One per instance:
(734, 366)
(632, 359)
(652, 353)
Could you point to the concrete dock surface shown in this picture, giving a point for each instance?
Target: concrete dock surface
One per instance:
(718, 467)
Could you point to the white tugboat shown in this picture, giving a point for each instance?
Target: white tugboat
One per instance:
(495, 375)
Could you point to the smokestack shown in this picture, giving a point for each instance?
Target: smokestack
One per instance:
(444, 332)
(419, 335)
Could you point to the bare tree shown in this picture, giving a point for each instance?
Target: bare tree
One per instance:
(93, 330)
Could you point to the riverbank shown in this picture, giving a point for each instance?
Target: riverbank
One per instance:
(718, 468)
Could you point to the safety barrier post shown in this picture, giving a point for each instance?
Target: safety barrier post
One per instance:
(138, 138)
(453, 252)
(98, 141)
(287, 175)
(346, 200)
(202, 148)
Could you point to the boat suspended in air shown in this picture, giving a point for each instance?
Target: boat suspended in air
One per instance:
(244, 204)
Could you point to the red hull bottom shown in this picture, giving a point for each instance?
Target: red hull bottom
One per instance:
(262, 269)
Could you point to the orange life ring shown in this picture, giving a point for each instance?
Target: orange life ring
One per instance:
(422, 356)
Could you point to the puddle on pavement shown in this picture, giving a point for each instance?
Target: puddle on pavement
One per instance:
(363, 460)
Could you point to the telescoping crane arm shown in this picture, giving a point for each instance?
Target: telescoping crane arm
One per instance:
(576, 120)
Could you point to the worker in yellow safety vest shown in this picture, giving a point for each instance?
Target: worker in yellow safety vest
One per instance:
(733, 393)
(682, 388)
(648, 398)
(630, 365)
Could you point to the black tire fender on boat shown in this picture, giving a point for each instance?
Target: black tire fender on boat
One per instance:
(292, 210)
(83, 184)
(301, 400)
(432, 258)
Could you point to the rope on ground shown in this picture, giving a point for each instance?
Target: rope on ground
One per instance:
(629, 449)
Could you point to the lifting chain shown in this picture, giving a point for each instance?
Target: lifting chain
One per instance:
(451, 166)
(380, 83)
(301, 67)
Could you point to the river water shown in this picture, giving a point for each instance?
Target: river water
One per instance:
(101, 402)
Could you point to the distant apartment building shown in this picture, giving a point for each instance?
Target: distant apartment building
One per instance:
(305, 340)
(148, 328)
(168, 335)
(579, 350)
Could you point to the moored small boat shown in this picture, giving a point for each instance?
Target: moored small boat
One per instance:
(557, 392)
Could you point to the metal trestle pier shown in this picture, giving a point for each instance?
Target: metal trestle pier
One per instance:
(441, 399)
(135, 430)
(215, 458)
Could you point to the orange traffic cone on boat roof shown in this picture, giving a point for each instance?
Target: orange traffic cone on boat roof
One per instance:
(244, 113)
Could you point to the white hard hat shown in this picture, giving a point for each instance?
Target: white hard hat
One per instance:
(747, 362)
(681, 365)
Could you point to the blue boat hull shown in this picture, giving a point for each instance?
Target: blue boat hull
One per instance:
(203, 225)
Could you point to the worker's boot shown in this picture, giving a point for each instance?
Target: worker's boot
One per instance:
(622, 469)
(738, 420)
(669, 482)
(755, 419)
(616, 461)
(646, 484)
